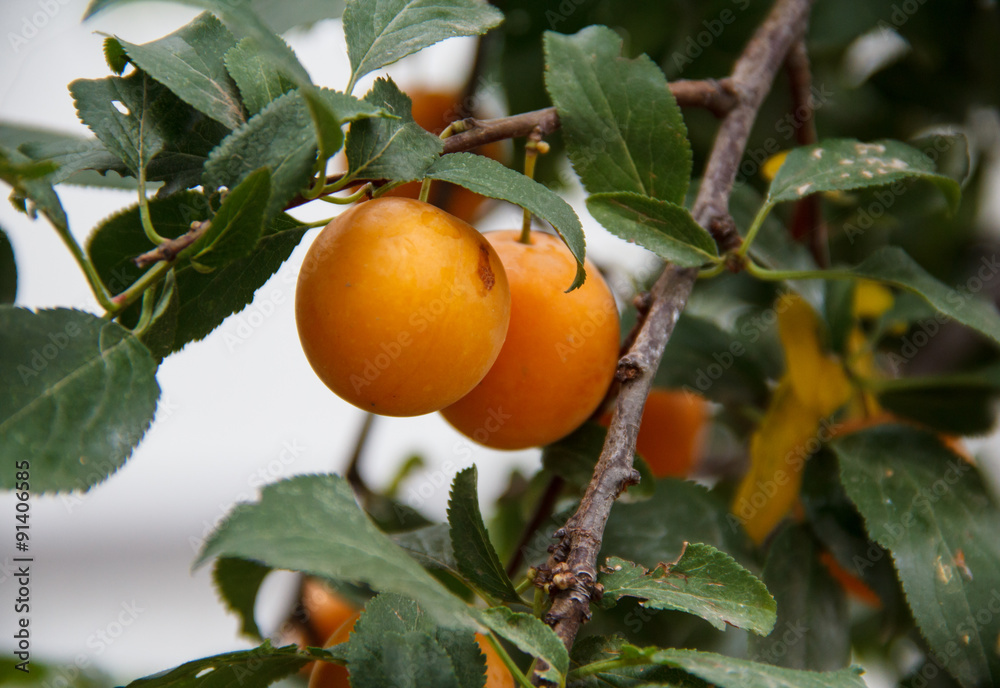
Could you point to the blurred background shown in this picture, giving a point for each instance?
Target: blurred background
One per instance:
(112, 584)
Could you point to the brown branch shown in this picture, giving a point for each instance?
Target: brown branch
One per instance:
(169, 249)
(353, 474)
(719, 97)
(570, 574)
(807, 218)
(543, 510)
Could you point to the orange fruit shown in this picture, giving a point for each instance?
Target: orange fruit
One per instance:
(401, 308)
(326, 611)
(497, 673)
(326, 674)
(852, 584)
(560, 353)
(672, 431)
(435, 110)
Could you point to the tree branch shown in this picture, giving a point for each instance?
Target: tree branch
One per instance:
(169, 249)
(570, 574)
(719, 97)
(807, 218)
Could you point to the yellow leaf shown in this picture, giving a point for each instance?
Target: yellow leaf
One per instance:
(769, 170)
(789, 433)
(871, 299)
(818, 379)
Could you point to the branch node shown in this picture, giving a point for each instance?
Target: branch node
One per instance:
(169, 249)
(633, 478)
(628, 369)
(723, 230)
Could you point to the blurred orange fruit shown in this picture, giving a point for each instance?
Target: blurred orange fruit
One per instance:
(672, 431)
(434, 110)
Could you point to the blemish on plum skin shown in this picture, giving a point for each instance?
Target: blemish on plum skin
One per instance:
(484, 270)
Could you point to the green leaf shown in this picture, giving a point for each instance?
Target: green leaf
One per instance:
(280, 15)
(80, 394)
(574, 457)
(208, 299)
(380, 32)
(394, 516)
(532, 636)
(812, 630)
(960, 403)
(931, 510)
(490, 178)
(703, 581)
(45, 674)
(265, 665)
(431, 547)
(113, 245)
(241, 18)
(204, 300)
(114, 55)
(236, 227)
(190, 137)
(328, 132)
(594, 649)
(8, 270)
(161, 332)
(81, 161)
(329, 536)
(138, 133)
(190, 62)
(623, 128)
(647, 532)
(238, 581)
(666, 229)
(398, 148)
(257, 77)
(774, 246)
(893, 266)
(38, 191)
(729, 672)
(396, 643)
(71, 153)
(845, 164)
(705, 359)
(281, 137)
(474, 553)
(835, 520)
(15, 172)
